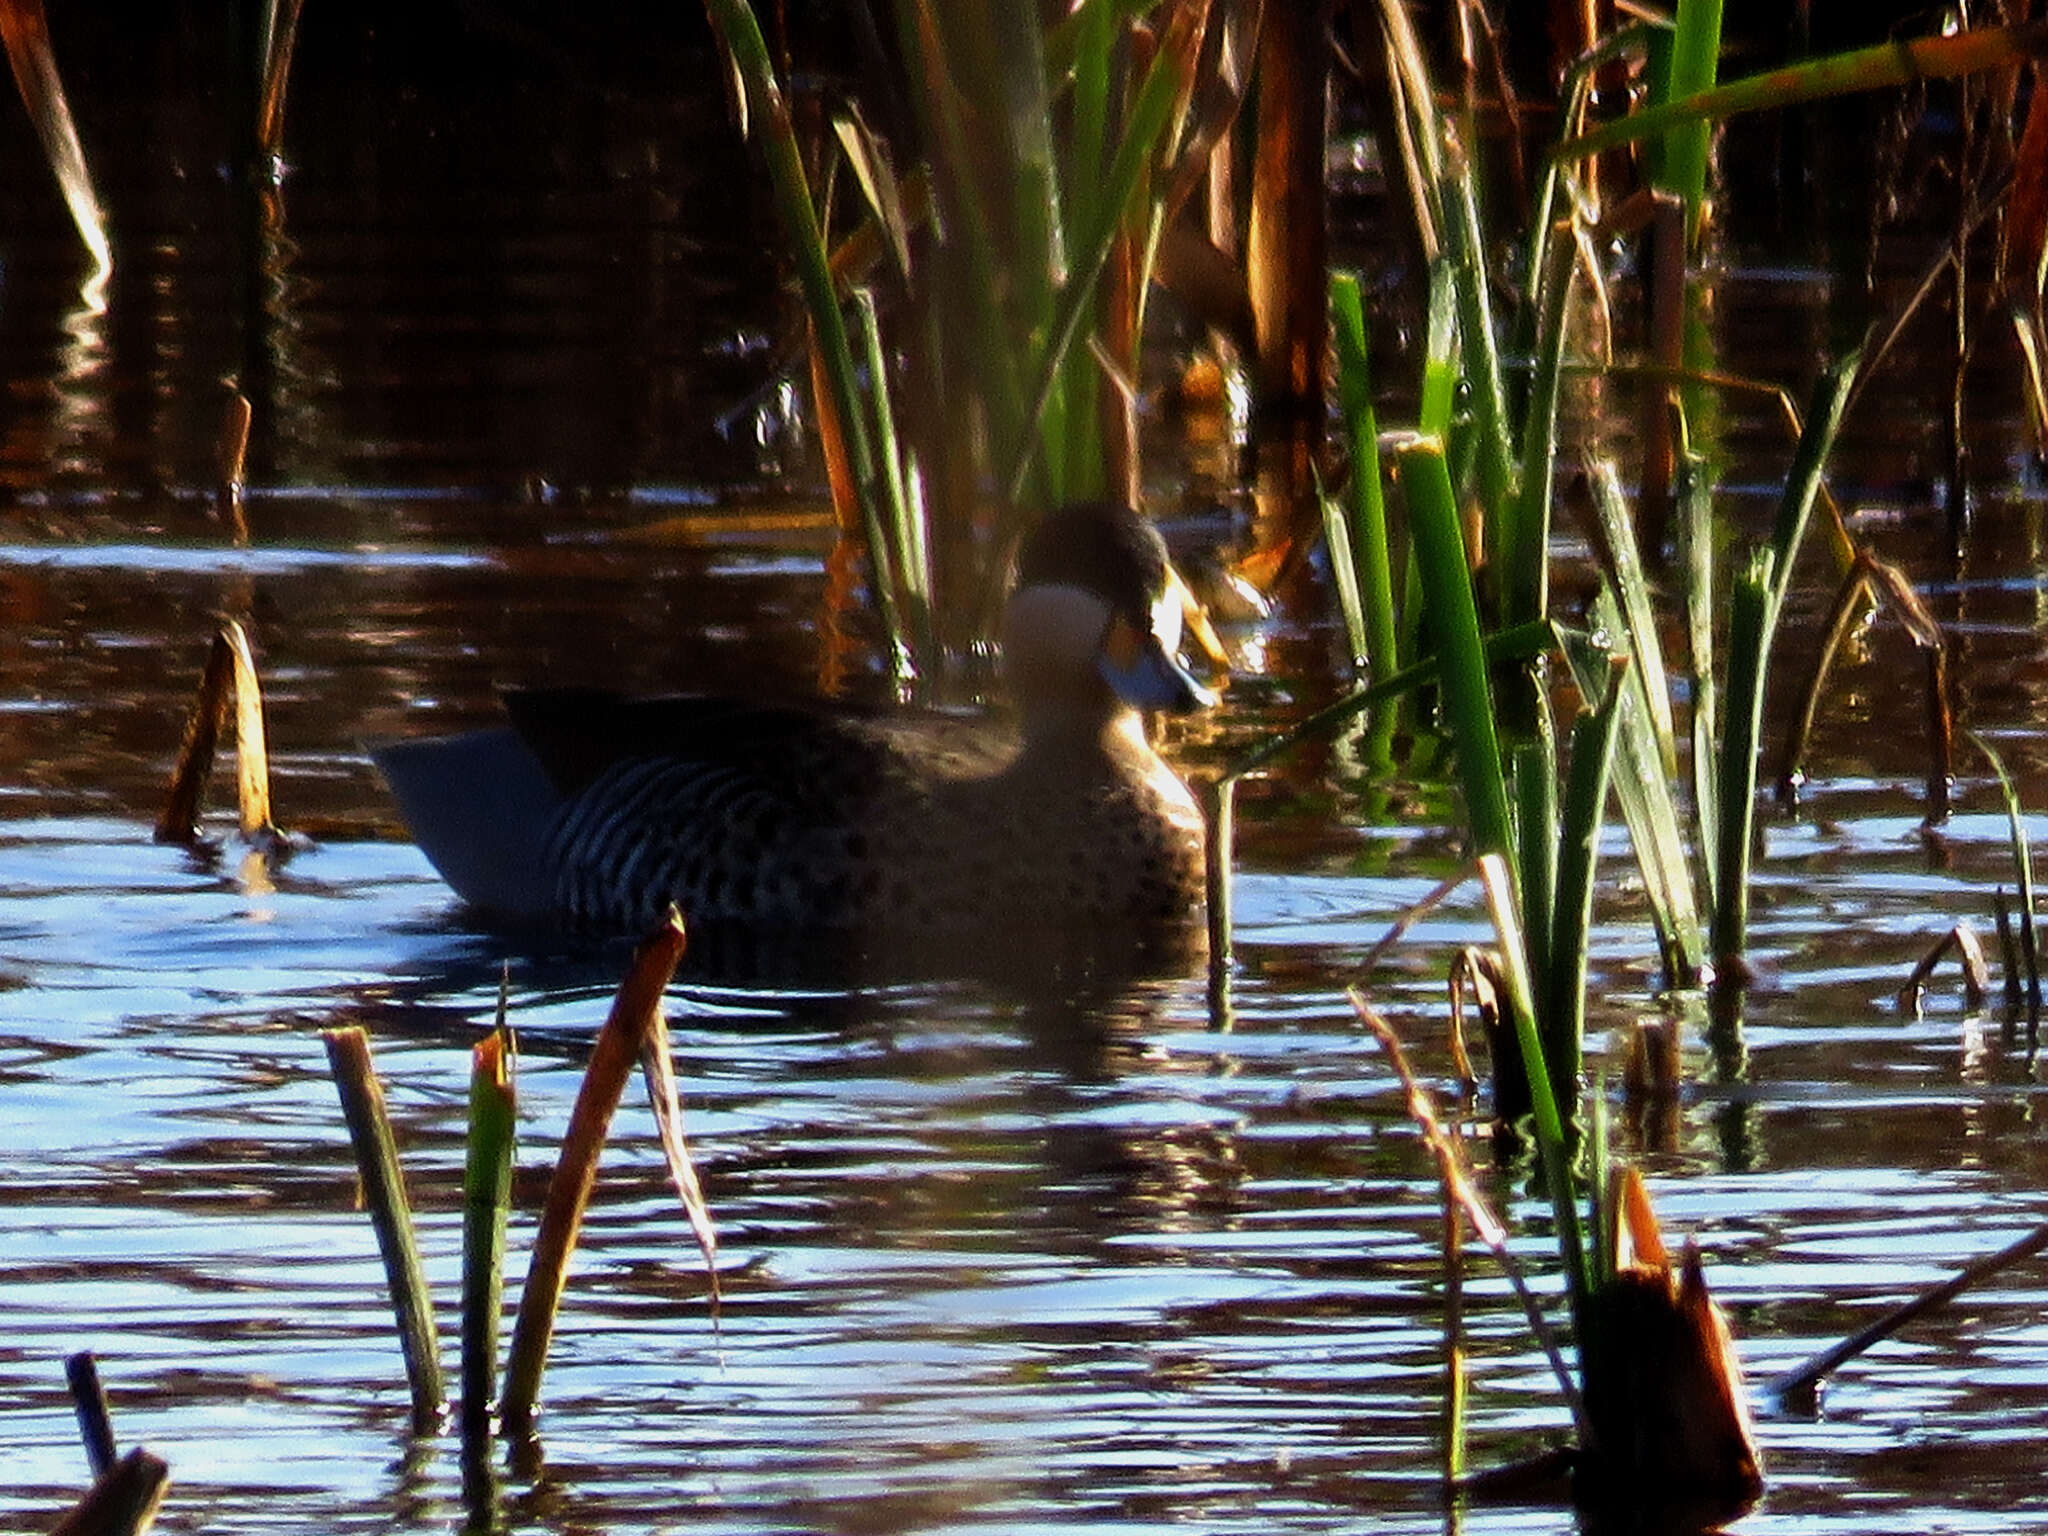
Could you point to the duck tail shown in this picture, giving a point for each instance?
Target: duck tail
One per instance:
(480, 807)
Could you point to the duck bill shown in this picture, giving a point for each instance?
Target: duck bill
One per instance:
(1153, 678)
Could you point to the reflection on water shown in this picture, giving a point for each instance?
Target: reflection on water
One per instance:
(1002, 1256)
(997, 1258)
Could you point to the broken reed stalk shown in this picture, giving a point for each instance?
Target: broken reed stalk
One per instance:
(486, 1203)
(228, 664)
(123, 1502)
(619, 1044)
(231, 455)
(89, 1402)
(1800, 1383)
(1969, 951)
(376, 1149)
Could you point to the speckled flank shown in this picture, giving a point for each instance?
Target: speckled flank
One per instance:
(595, 813)
(862, 829)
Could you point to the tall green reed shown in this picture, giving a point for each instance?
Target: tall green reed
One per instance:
(1048, 156)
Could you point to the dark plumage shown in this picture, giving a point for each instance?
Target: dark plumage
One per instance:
(593, 813)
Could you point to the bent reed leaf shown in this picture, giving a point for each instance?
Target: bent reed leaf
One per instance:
(618, 1047)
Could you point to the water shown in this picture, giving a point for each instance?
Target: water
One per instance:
(992, 1260)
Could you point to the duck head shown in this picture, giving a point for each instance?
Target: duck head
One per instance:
(1091, 635)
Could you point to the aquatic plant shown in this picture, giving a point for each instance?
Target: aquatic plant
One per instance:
(127, 1490)
(362, 1104)
(486, 1206)
(1010, 261)
(634, 1031)
(228, 682)
(1658, 1401)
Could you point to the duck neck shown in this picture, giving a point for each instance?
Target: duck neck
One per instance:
(1109, 728)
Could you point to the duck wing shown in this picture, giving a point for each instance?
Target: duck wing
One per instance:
(823, 757)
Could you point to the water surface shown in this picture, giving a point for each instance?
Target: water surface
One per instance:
(995, 1259)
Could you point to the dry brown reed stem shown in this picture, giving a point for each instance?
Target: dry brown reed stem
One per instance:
(231, 455)
(1458, 1186)
(280, 34)
(1799, 1384)
(89, 1401)
(1219, 802)
(1285, 243)
(1969, 950)
(123, 1502)
(25, 30)
(658, 1068)
(376, 1149)
(619, 1045)
(1664, 1386)
(228, 664)
(1668, 296)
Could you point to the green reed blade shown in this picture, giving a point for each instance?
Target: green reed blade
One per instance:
(1585, 810)
(1631, 587)
(1465, 247)
(1147, 132)
(1600, 1169)
(1532, 780)
(764, 106)
(1695, 58)
(1344, 577)
(1759, 598)
(1552, 185)
(376, 1149)
(1749, 627)
(1454, 1338)
(1011, 71)
(1526, 573)
(1523, 643)
(486, 1203)
(1696, 546)
(1440, 355)
(1648, 803)
(1553, 1152)
(1092, 90)
(909, 546)
(1370, 542)
(1467, 692)
(1866, 69)
(939, 99)
(1816, 439)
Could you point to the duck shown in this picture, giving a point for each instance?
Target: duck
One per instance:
(816, 824)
